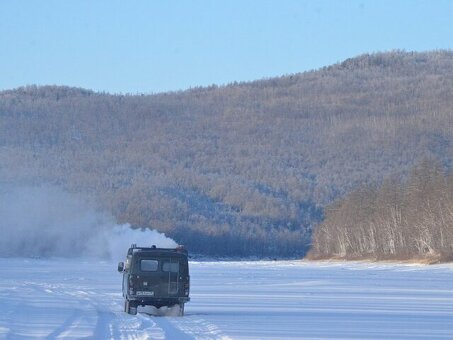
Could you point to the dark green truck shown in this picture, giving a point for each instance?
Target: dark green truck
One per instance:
(155, 277)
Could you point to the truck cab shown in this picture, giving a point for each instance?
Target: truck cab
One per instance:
(155, 277)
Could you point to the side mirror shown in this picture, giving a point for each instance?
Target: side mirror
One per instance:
(120, 266)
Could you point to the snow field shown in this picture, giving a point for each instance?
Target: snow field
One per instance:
(70, 299)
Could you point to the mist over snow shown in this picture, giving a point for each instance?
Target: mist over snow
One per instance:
(46, 221)
(114, 242)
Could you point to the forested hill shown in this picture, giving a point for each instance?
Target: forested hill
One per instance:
(242, 169)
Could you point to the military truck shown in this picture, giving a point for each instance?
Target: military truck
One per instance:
(155, 277)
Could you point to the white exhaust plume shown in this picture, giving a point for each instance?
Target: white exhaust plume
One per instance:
(114, 242)
(48, 222)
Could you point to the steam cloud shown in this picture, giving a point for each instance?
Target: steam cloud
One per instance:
(48, 222)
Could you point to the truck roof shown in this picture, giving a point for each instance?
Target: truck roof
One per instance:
(179, 250)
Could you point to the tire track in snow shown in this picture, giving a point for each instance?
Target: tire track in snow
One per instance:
(197, 328)
(68, 326)
(69, 301)
(171, 332)
(28, 318)
(187, 327)
(87, 313)
(113, 323)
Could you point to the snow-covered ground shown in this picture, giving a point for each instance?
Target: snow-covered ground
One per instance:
(232, 300)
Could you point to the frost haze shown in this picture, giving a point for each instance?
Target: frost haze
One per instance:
(48, 222)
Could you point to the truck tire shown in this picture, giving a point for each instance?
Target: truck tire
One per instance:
(130, 308)
(181, 309)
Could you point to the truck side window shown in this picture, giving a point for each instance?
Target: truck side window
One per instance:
(172, 267)
(148, 265)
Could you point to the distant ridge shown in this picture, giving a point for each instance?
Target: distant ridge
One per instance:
(241, 169)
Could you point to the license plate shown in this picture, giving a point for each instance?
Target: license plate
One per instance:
(145, 293)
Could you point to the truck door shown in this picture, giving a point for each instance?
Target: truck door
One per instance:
(171, 269)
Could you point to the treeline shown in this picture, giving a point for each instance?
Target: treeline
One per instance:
(410, 220)
(242, 169)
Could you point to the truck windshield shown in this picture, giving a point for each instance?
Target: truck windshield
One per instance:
(148, 265)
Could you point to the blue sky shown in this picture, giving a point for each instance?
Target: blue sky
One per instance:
(154, 46)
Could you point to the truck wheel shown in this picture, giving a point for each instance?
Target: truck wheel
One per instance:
(130, 308)
(181, 309)
(133, 310)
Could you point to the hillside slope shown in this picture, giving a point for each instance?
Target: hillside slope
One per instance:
(242, 169)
